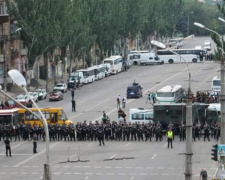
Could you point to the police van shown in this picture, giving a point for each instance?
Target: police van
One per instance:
(134, 90)
(141, 115)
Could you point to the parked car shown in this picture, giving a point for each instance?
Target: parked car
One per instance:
(34, 96)
(61, 87)
(56, 96)
(42, 94)
(22, 99)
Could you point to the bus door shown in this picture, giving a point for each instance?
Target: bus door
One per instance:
(54, 118)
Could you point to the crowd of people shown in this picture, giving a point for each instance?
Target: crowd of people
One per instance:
(207, 97)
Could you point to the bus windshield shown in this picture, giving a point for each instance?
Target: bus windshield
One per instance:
(108, 61)
(63, 115)
(216, 82)
(165, 94)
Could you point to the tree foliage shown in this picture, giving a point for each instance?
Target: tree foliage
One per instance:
(78, 24)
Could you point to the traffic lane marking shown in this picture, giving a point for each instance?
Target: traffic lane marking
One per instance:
(98, 173)
(154, 156)
(113, 156)
(89, 144)
(18, 154)
(13, 147)
(36, 155)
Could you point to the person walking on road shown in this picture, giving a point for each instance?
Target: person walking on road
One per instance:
(72, 93)
(34, 143)
(124, 102)
(148, 97)
(73, 105)
(203, 175)
(7, 147)
(118, 102)
(169, 135)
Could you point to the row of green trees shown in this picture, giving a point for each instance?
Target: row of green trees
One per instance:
(75, 26)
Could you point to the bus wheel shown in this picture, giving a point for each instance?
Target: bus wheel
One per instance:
(171, 61)
(194, 60)
(135, 63)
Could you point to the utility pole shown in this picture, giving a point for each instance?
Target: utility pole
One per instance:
(188, 25)
(189, 124)
(222, 100)
(222, 89)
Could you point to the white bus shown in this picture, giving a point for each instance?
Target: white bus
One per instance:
(99, 72)
(141, 115)
(170, 57)
(135, 56)
(89, 75)
(178, 42)
(216, 84)
(172, 94)
(116, 64)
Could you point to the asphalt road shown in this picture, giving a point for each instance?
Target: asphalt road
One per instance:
(149, 160)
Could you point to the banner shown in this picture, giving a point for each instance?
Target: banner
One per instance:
(221, 150)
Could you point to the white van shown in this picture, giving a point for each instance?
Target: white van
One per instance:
(74, 78)
(141, 115)
(107, 69)
(207, 46)
(150, 58)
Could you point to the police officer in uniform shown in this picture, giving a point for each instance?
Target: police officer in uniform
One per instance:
(133, 132)
(206, 131)
(169, 135)
(100, 135)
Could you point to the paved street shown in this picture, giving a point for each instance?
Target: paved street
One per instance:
(141, 160)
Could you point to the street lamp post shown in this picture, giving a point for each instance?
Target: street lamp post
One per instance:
(188, 27)
(222, 87)
(189, 124)
(19, 79)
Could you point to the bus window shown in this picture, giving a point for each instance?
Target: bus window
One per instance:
(138, 116)
(148, 116)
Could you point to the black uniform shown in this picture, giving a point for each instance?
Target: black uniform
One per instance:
(100, 135)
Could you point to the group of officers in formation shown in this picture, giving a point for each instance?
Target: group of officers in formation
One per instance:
(116, 131)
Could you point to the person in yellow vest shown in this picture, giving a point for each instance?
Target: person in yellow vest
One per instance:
(169, 135)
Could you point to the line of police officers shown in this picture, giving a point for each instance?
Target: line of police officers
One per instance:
(109, 131)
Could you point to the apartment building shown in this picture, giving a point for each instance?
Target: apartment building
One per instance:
(12, 50)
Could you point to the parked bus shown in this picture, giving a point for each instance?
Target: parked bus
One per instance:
(199, 52)
(216, 84)
(141, 115)
(134, 57)
(176, 42)
(52, 115)
(99, 72)
(116, 64)
(172, 94)
(88, 74)
(170, 57)
(9, 116)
